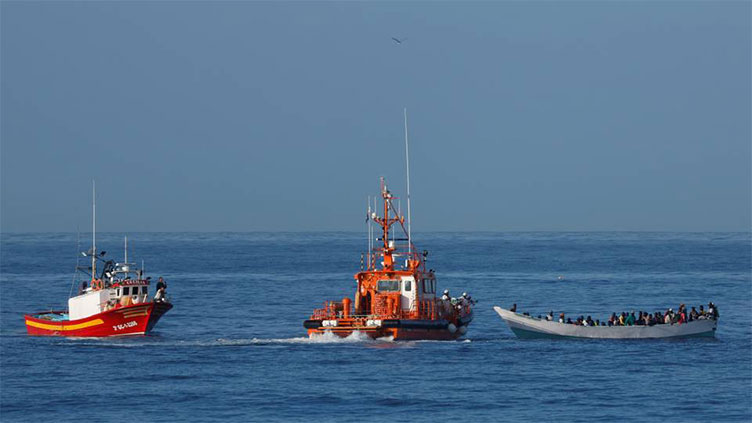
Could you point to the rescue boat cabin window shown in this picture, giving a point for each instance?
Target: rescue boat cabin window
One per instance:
(429, 286)
(389, 286)
(144, 289)
(408, 285)
(126, 290)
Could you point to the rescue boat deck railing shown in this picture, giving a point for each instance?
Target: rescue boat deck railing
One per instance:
(424, 310)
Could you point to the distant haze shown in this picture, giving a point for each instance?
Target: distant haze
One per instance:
(244, 116)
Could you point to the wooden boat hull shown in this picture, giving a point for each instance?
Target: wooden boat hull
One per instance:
(403, 330)
(529, 327)
(137, 319)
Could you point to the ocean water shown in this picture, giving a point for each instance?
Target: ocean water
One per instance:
(234, 349)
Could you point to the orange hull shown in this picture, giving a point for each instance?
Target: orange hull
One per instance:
(398, 329)
(136, 319)
(394, 333)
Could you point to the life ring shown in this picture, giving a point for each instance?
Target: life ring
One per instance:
(96, 284)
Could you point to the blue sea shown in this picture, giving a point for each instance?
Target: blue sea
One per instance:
(234, 349)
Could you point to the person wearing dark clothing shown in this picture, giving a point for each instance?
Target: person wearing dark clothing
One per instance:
(83, 287)
(161, 294)
(514, 308)
(713, 310)
(161, 284)
(693, 315)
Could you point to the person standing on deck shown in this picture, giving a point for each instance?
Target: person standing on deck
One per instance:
(161, 294)
(161, 284)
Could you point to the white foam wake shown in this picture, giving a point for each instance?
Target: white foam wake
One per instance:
(325, 338)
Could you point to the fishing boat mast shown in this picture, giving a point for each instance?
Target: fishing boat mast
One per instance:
(93, 230)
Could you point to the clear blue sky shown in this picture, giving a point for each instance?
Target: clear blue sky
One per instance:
(245, 116)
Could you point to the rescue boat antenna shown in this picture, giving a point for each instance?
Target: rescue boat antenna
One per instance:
(368, 228)
(407, 162)
(373, 241)
(93, 229)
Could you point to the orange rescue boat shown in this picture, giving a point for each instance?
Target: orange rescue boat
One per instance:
(398, 299)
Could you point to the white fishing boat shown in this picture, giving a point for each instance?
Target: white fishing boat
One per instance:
(530, 327)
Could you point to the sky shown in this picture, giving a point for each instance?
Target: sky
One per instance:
(256, 116)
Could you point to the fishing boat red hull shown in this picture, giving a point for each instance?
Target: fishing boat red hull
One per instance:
(137, 319)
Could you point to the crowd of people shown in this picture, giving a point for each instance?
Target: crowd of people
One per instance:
(642, 318)
(462, 303)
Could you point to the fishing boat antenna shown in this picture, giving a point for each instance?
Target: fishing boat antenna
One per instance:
(93, 229)
(126, 250)
(407, 162)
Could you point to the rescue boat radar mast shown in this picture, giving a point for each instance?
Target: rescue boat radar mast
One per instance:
(389, 248)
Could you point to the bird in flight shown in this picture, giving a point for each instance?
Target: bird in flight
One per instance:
(398, 41)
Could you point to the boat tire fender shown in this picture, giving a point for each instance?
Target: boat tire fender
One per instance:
(312, 324)
(465, 320)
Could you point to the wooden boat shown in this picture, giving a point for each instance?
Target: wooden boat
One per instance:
(395, 300)
(113, 303)
(530, 327)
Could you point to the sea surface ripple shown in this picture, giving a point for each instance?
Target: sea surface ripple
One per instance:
(234, 348)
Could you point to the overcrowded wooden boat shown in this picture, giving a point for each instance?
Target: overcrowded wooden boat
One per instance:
(530, 327)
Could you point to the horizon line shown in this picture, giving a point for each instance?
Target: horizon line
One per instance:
(419, 232)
